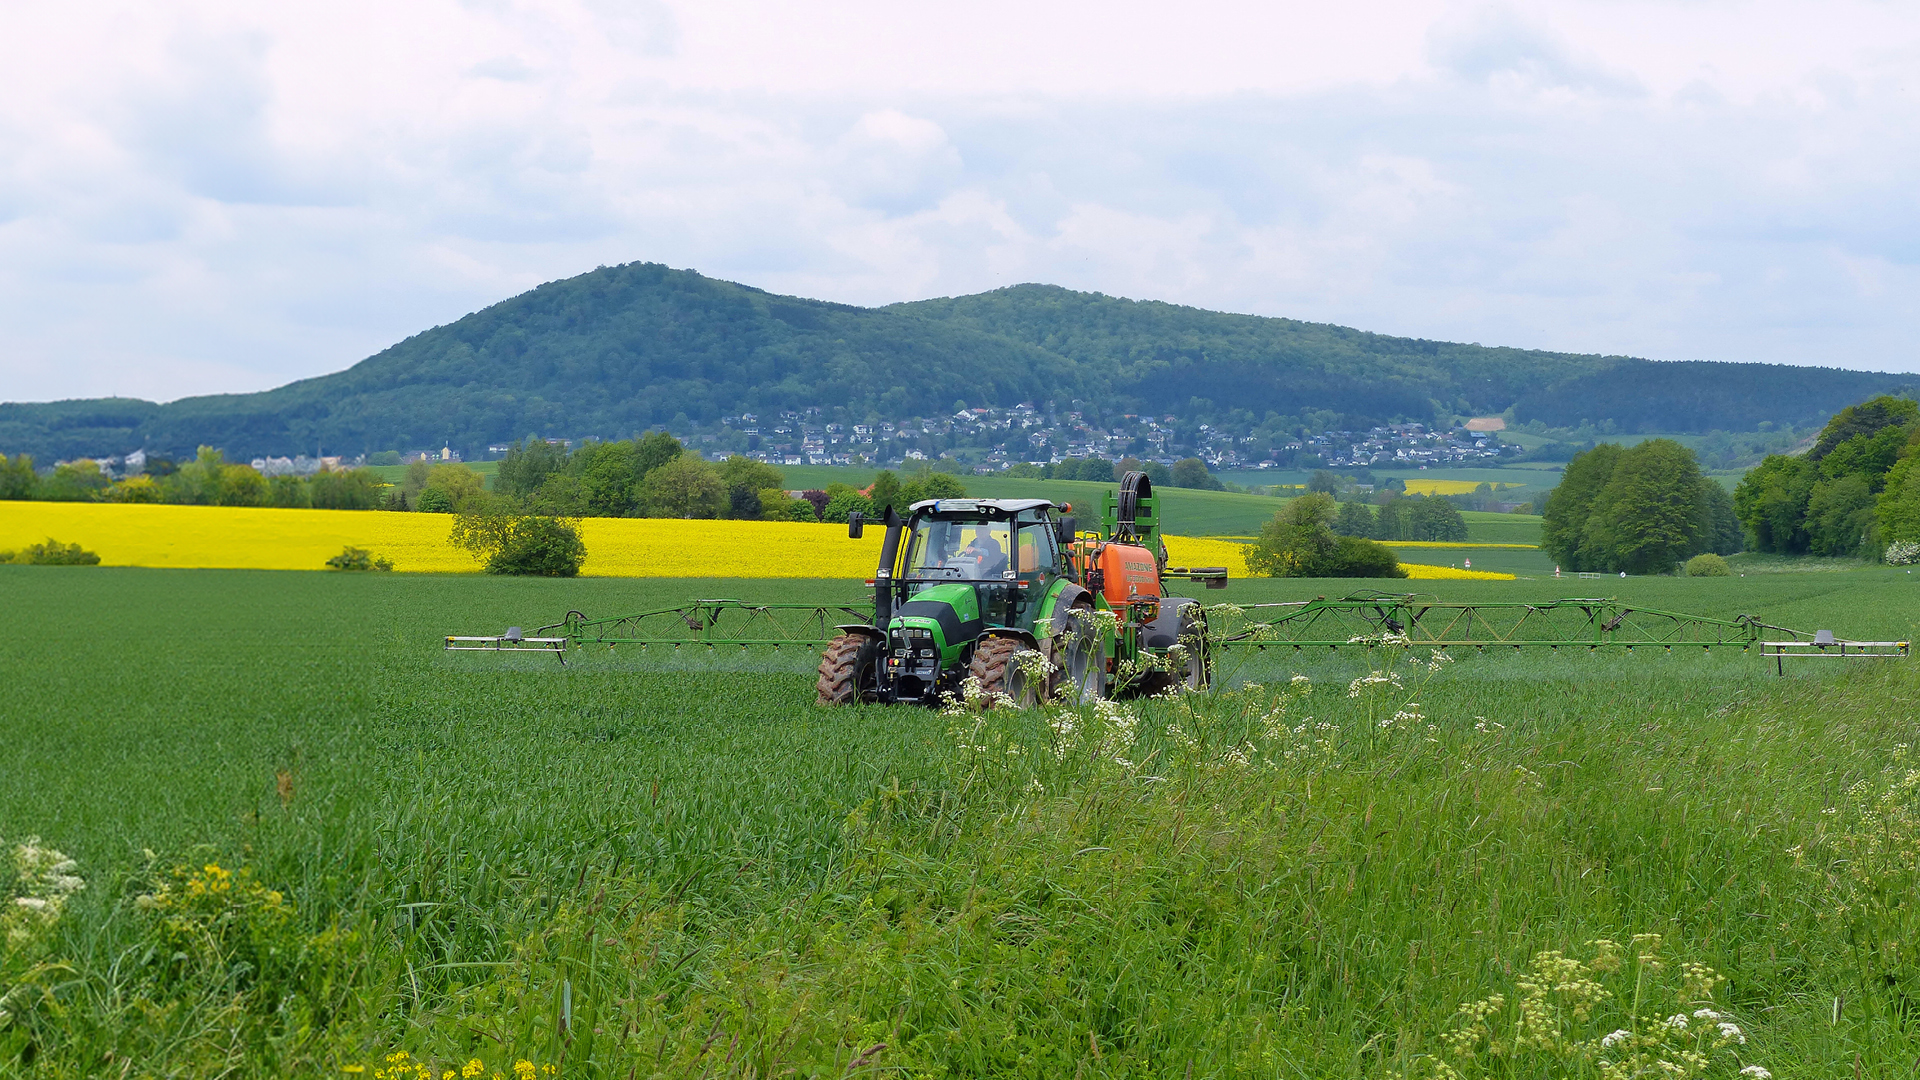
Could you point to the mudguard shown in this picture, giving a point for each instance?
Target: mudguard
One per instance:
(862, 630)
(1053, 614)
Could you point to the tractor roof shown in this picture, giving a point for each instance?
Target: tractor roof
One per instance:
(992, 508)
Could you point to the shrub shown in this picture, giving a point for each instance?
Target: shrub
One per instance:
(433, 501)
(521, 544)
(1300, 542)
(1708, 565)
(353, 558)
(1903, 553)
(51, 553)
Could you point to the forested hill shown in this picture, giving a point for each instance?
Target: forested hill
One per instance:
(1151, 350)
(629, 347)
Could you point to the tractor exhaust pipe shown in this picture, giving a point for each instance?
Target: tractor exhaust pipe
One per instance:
(883, 577)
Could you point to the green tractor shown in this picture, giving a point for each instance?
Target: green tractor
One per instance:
(1008, 593)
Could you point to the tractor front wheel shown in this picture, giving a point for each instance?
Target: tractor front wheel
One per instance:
(1007, 669)
(850, 670)
(1079, 660)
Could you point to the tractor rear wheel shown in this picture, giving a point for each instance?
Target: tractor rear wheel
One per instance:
(1002, 665)
(1196, 673)
(849, 670)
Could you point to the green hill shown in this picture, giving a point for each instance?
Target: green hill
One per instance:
(629, 347)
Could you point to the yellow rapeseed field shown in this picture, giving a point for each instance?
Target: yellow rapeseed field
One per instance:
(274, 539)
(1214, 551)
(258, 538)
(1423, 486)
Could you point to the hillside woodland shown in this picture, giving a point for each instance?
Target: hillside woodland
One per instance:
(627, 348)
(1643, 509)
(1854, 493)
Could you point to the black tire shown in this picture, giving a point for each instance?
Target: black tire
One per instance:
(1198, 672)
(849, 670)
(1000, 666)
(1080, 664)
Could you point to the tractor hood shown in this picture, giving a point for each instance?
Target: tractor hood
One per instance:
(951, 612)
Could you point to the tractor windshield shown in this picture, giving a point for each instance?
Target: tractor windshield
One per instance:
(958, 550)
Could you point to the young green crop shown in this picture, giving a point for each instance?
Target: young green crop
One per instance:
(665, 865)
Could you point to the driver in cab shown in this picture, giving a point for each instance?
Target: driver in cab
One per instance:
(982, 557)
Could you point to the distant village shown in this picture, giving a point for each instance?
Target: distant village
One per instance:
(992, 440)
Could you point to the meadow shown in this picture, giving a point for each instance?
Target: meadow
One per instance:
(311, 840)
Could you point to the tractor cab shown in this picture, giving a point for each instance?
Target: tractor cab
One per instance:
(956, 577)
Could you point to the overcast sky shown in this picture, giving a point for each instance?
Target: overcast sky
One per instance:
(209, 197)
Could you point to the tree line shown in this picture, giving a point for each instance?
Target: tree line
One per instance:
(1854, 492)
(208, 480)
(652, 475)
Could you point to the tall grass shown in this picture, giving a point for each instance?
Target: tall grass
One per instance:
(621, 872)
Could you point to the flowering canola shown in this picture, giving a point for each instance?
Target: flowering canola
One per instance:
(264, 538)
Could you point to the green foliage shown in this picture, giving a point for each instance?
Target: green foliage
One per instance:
(686, 487)
(353, 558)
(285, 491)
(241, 486)
(609, 476)
(1192, 473)
(17, 478)
(1642, 510)
(1563, 526)
(527, 465)
(1357, 519)
(1300, 542)
(1771, 501)
(930, 485)
(350, 489)
(144, 489)
(1835, 500)
(75, 481)
(745, 479)
(384, 457)
(1897, 509)
(885, 492)
(520, 544)
(846, 503)
(1867, 419)
(1099, 470)
(51, 552)
(1708, 564)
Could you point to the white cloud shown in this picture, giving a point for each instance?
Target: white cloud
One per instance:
(207, 196)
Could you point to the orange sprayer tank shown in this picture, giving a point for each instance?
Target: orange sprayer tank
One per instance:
(1127, 571)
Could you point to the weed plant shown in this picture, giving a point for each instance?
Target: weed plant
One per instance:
(294, 837)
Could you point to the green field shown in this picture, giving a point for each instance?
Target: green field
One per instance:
(678, 866)
(393, 474)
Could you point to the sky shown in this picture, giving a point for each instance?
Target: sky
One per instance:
(213, 197)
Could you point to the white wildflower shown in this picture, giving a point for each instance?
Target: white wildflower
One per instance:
(1614, 1038)
(1757, 1072)
(1732, 1031)
(1678, 1021)
(1705, 1014)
